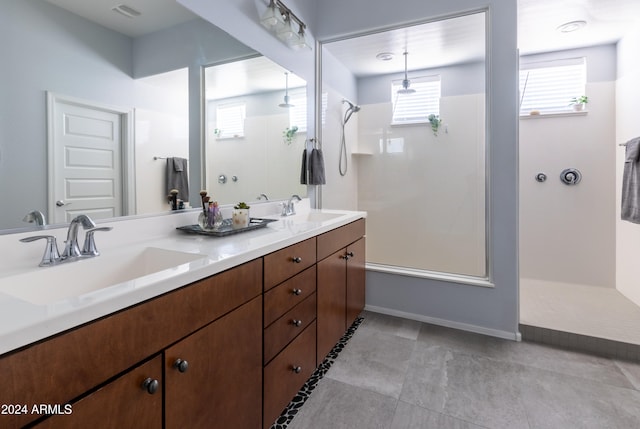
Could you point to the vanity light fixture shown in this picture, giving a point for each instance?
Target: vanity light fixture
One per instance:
(279, 19)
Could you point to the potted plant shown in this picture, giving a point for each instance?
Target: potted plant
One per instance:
(240, 215)
(435, 122)
(289, 133)
(579, 103)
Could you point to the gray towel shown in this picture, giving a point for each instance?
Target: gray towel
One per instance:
(178, 177)
(303, 170)
(631, 182)
(316, 168)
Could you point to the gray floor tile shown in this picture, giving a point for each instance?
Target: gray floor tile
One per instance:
(454, 339)
(374, 361)
(410, 416)
(391, 325)
(335, 405)
(469, 387)
(632, 371)
(555, 401)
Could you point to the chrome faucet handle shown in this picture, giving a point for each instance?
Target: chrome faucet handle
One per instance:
(71, 248)
(89, 248)
(51, 255)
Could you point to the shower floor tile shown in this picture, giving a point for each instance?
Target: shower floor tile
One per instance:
(585, 310)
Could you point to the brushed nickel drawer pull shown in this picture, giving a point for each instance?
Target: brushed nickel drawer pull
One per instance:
(297, 369)
(297, 291)
(297, 323)
(297, 259)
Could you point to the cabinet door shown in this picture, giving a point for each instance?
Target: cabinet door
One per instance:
(331, 295)
(122, 403)
(355, 280)
(222, 385)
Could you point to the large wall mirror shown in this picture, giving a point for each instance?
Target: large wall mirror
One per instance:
(256, 123)
(143, 72)
(417, 138)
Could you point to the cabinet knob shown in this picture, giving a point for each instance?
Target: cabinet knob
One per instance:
(181, 365)
(297, 259)
(150, 385)
(296, 369)
(297, 323)
(297, 291)
(350, 254)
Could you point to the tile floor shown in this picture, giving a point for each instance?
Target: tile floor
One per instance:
(402, 374)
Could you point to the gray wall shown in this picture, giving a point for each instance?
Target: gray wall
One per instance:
(492, 310)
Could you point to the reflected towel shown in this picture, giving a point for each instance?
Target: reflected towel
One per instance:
(631, 182)
(178, 177)
(303, 170)
(316, 168)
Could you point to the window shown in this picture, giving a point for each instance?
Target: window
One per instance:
(298, 113)
(416, 107)
(549, 86)
(230, 120)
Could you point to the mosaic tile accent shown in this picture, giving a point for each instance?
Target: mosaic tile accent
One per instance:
(298, 401)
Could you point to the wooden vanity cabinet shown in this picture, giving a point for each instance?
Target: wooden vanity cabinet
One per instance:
(64, 368)
(341, 283)
(117, 404)
(289, 325)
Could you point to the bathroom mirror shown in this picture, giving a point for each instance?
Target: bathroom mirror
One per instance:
(416, 142)
(86, 51)
(255, 130)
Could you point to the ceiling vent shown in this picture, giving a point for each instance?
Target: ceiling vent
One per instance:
(127, 11)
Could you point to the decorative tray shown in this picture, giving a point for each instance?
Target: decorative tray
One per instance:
(226, 228)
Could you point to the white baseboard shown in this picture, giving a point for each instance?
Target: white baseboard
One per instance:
(507, 335)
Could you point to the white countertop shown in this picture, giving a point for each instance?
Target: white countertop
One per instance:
(23, 322)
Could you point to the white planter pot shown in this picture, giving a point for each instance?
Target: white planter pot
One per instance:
(578, 107)
(240, 218)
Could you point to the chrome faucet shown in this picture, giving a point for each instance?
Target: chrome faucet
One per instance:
(261, 196)
(71, 250)
(35, 216)
(288, 208)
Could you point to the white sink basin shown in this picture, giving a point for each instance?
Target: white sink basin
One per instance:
(76, 279)
(315, 217)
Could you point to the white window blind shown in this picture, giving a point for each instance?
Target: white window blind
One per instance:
(551, 85)
(416, 107)
(230, 120)
(298, 113)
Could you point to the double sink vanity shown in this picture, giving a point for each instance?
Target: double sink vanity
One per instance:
(170, 330)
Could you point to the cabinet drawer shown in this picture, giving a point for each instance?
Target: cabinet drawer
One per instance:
(338, 238)
(286, 328)
(287, 262)
(281, 381)
(287, 295)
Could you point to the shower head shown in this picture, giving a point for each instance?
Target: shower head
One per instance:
(353, 108)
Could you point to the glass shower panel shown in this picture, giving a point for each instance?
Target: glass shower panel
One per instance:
(424, 188)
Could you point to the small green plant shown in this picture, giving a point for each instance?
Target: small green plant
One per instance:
(435, 122)
(289, 133)
(241, 206)
(583, 99)
(217, 132)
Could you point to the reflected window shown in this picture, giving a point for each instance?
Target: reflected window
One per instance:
(415, 108)
(230, 120)
(298, 113)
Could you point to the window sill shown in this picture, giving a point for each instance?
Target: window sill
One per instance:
(554, 115)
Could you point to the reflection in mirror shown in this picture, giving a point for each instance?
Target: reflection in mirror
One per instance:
(419, 145)
(81, 50)
(255, 130)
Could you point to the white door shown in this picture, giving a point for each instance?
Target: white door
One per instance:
(85, 160)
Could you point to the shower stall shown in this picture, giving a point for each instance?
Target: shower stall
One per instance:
(578, 276)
